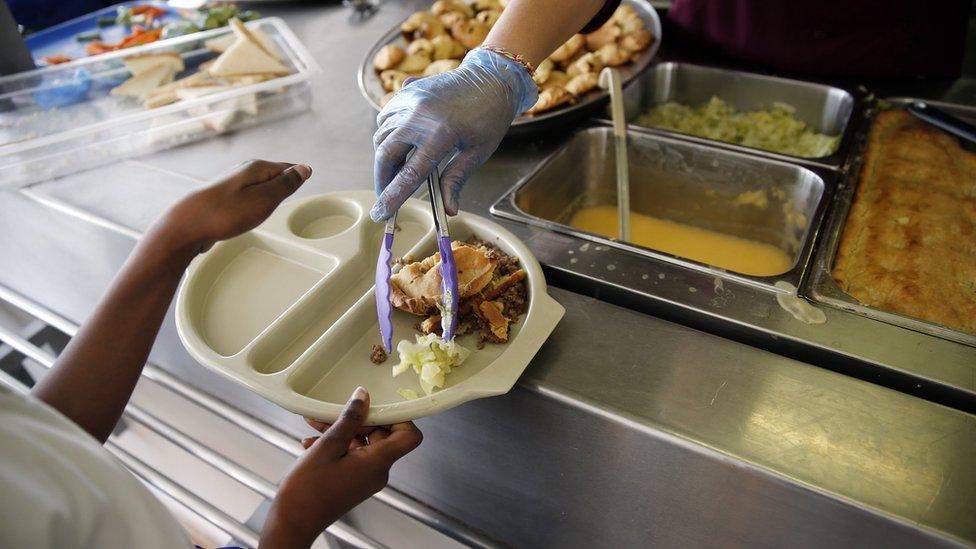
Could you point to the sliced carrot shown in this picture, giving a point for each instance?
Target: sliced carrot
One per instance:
(55, 59)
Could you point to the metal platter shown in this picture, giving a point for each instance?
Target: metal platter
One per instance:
(373, 92)
(823, 287)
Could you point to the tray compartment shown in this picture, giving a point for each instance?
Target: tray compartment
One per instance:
(319, 310)
(39, 143)
(826, 109)
(233, 305)
(325, 218)
(756, 199)
(335, 366)
(822, 287)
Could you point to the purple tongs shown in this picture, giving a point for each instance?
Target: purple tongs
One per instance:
(449, 284)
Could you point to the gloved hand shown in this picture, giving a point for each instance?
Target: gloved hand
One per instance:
(465, 111)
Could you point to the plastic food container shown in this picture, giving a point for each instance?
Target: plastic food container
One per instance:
(288, 310)
(61, 119)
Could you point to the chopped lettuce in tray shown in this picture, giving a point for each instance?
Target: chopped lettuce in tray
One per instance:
(773, 129)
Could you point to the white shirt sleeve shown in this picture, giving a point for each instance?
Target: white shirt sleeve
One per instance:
(60, 488)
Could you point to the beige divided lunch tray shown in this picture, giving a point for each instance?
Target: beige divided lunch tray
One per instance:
(288, 310)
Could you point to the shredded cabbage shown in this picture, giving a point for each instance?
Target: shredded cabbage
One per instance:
(431, 358)
(408, 394)
(774, 129)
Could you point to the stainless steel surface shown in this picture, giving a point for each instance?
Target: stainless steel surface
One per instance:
(627, 430)
(372, 90)
(679, 181)
(826, 109)
(824, 288)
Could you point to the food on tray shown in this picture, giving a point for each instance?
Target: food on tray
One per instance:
(431, 358)
(491, 285)
(249, 57)
(452, 27)
(550, 98)
(774, 129)
(408, 394)
(145, 81)
(390, 56)
(137, 64)
(146, 25)
(712, 248)
(221, 43)
(377, 355)
(909, 245)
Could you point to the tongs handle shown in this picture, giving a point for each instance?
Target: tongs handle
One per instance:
(943, 120)
(449, 278)
(384, 271)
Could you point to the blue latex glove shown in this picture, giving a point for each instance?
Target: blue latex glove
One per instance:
(465, 112)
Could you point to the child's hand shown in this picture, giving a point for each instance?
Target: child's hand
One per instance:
(341, 468)
(233, 205)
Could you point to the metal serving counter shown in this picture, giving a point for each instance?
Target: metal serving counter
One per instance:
(626, 430)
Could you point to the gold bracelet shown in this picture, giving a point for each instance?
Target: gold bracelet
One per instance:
(517, 57)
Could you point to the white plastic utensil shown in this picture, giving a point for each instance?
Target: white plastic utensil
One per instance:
(610, 80)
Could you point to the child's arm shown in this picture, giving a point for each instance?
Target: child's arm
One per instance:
(92, 380)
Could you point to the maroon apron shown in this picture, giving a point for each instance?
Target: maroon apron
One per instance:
(856, 37)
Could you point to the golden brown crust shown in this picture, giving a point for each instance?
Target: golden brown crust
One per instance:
(909, 245)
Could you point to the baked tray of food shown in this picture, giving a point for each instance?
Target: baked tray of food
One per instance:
(434, 41)
(900, 241)
(789, 119)
(288, 310)
(77, 115)
(734, 216)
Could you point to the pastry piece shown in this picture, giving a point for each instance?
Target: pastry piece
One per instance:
(556, 79)
(246, 57)
(413, 64)
(255, 36)
(488, 17)
(392, 79)
(470, 33)
(623, 12)
(629, 23)
(422, 24)
(486, 5)
(582, 83)
(441, 7)
(569, 50)
(389, 57)
(386, 99)
(909, 242)
(440, 66)
(416, 288)
(612, 55)
(607, 34)
(137, 64)
(550, 98)
(446, 47)
(450, 18)
(140, 85)
(421, 46)
(590, 62)
(636, 41)
(543, 71)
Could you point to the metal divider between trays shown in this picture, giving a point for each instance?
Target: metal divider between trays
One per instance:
(199, 507)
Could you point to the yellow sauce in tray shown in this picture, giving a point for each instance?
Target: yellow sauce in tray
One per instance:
(720, 250)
